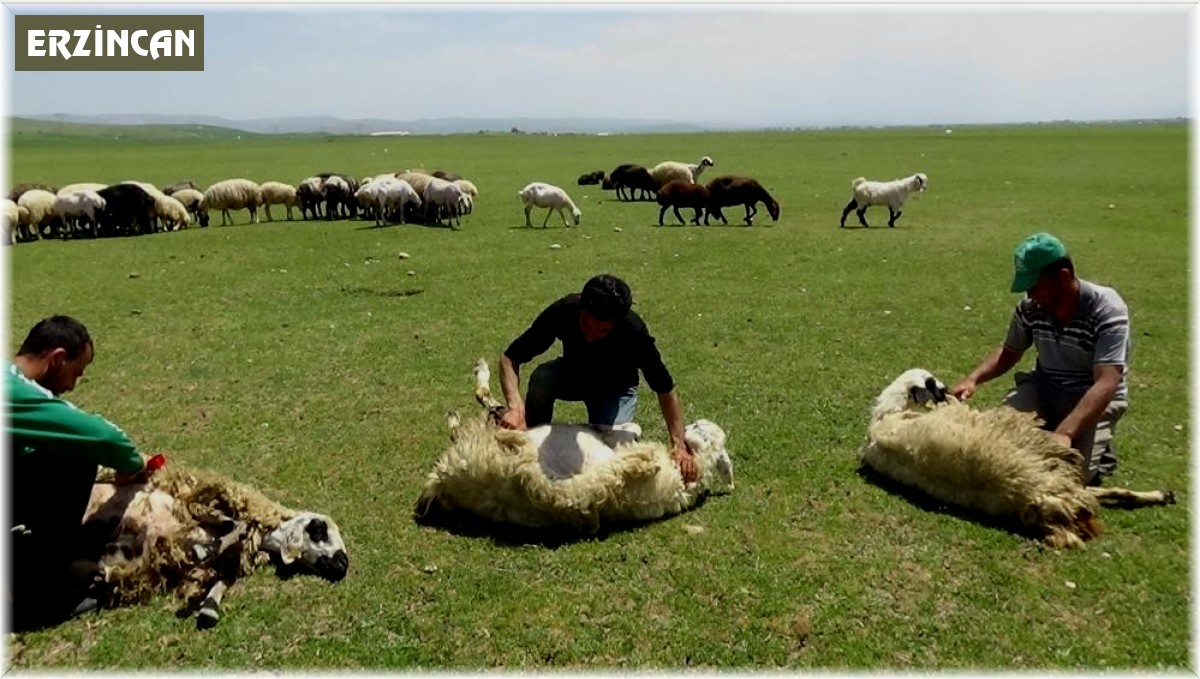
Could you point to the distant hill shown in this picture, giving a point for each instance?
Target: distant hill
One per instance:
(26, 128)
(332, 125)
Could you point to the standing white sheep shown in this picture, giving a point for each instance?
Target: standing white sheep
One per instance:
(671, 170)
(892, 194)
(233, 194)
(998, 461)
(540, 194)
(77, 210)
(278, 193)
(386, 196)
(444, 198)
(193, 200)
(40, 205)
(567, 475)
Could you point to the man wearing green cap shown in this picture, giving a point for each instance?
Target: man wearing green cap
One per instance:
(1081, 333)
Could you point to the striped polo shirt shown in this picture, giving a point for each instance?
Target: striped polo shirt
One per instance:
(1098, 334)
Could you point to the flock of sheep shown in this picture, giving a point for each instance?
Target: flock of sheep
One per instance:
(32, 211)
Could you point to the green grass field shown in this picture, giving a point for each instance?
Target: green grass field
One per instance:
(311, 361)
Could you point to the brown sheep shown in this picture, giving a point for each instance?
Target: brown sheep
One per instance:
(680, 193)
(729, 190)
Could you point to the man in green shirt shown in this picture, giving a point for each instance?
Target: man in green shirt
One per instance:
(55, 450)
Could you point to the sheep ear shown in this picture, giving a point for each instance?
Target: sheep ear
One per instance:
(284, 541)
(936, 391)
(920, 395)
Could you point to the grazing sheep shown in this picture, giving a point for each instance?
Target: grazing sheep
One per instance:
(415, 179)
(78, 212)
(567, 475)
(632, 177)
(193, 200)
(444, 198)
(128, 209)
(172, 189)
(40, 204)
(82, 186)
(996, 461)
(470, 191)
(893, 194)
(19, 189)
(173, 213)
(680, 193)
(591, 178)
(387, 196)
(278, 193)
(671, 170)
(310, 193)
(338, 190)
(539, 194)
(728, 190)
(233, 194)
(162, 209)
(193, 533)
(10, 213)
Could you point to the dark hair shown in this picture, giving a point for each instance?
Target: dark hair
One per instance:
(56, 332)
(606, 297)
(1057, 265)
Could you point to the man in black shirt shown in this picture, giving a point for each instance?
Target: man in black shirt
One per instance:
(604, 345)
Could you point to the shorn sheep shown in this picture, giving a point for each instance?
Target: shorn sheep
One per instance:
(680, 193)
(672, 170)
(892, 194)
(565, 475)
(233, 194)
(997, 461)
(729, 190)
(539, 194)
(193, 533)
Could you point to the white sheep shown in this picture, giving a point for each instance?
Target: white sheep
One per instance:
(416, 179)
(892, 194)
(998, 461)
(444, 198)
(386, 196)
(193, 200)
(193, 533)
(40, 205)
(77, 209)
(540, 194)
(10, 212)
(567, 475)
(173, 213)
(278, 193)
(82, 186)
(233, 194)
(470, 191)
(671, 170)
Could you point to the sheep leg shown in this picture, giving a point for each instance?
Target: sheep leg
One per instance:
(267, 209)
(862, 217)
(483, 390)
(528, 209)
(549, 211)
(678, 216)
(846, 210)
(210, 610)
(661, 212)
(1120, 497)
(893, 215)
(751, 212)
(696, 219)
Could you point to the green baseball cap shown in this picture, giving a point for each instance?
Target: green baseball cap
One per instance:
(1031, 255)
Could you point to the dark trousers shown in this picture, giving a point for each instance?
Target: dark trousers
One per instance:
(49, 494)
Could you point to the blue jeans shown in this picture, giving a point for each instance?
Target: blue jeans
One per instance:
(550, 382)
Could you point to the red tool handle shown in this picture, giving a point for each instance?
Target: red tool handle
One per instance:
(155, 463)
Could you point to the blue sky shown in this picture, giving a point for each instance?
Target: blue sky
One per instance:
(766, 64)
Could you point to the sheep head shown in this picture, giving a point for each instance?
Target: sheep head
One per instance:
(312, 542)
(576, 214)
(706, 161)
(707, 442)
(922, 180)
(913, 389)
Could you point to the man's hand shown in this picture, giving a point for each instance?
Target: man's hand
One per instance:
(1062, 438)
(513, 418)
(964, 390)
(686, 461)
(140, 476)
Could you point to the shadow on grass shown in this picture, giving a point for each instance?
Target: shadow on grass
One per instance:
(466, 524)
(928, 503)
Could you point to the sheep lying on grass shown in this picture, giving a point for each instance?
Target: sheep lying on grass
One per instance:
(995, 461)
(567, 475)
(539, 194)
(193, 533)
(892, 194)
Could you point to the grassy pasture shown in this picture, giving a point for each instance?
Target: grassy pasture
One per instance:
(306, 359)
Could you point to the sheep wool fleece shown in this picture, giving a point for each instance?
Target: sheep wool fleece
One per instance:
(40, 421)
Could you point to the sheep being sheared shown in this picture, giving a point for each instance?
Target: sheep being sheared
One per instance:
(566, 474)
(193, 533)
(997, 461)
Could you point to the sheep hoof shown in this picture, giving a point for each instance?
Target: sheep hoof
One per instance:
(207, 618)
(1169, 497)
